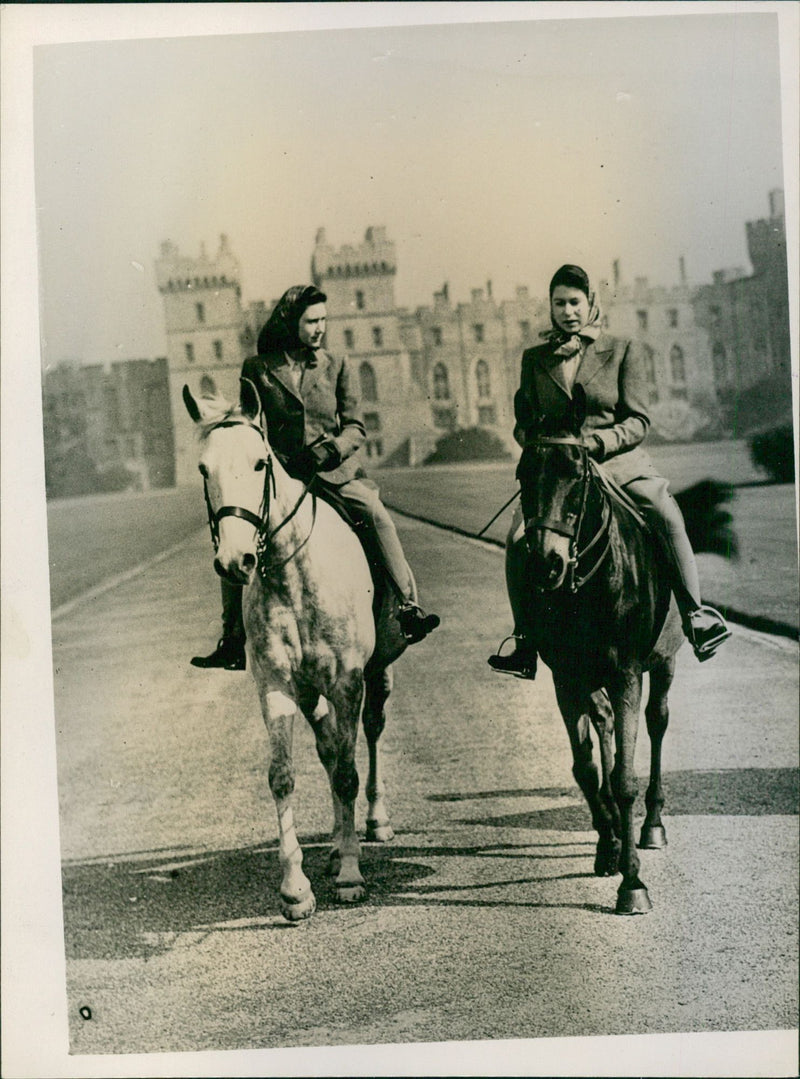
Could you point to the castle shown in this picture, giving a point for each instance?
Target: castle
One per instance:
(717, 356)
(449, 366)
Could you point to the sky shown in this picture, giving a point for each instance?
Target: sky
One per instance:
(489, 151)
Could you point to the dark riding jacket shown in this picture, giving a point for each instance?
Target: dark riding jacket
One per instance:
(325, 405)
(611, 372)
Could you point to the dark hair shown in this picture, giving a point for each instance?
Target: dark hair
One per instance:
(280, 330)
(572, 277)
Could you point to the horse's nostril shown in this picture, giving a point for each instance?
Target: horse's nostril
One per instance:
(249, 562)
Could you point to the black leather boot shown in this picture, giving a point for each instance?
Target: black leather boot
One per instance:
(229, 655)
(415, 624)
(522, 662)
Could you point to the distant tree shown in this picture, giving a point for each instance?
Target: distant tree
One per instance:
(773, 450)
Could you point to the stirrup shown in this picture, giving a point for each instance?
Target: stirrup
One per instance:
(527, 665)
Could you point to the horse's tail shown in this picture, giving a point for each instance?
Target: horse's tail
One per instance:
(708, 524)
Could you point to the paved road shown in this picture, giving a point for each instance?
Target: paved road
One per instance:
(483, 918)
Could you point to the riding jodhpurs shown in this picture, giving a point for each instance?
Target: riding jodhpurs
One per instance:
(662, 513)
(364, 504)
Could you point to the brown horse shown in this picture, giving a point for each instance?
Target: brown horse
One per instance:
(319, 642)
(591, 589)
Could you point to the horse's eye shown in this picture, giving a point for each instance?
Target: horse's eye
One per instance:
(260, 465)
(203, 471)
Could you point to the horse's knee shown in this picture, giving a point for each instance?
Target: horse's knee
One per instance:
(345, 782)
(625, 785)
(281, 779)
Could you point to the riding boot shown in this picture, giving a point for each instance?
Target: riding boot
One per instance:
(229, 653)
(522, 662)
(704, 626)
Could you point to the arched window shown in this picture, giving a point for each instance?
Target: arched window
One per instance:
(649, 364)
(482, 379)
(677, 364)
(441, 382)
(369, 385)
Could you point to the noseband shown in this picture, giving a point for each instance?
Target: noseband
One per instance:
(571, 528)
(259, 521)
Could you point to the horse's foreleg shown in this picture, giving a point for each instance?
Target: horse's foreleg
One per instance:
(377, 690)
(323, 723)
(576, 709)
(625, 695)
(653, 836)
(297, 898)
(347, 698)
(609, 845)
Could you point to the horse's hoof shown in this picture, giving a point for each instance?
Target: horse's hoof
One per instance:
(653, 837)
(297, 910)
(633, 901)
(350, 893)
(379, 831)
(606, 860)
(334, 866)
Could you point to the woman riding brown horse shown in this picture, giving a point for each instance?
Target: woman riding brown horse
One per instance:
(610, 370)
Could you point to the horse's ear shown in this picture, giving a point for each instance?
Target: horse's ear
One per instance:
(191, 405)
(249, 400)
(578, 408)
(208, 387)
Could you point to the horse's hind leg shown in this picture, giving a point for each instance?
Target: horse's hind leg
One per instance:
(347, 698)
(378, 688)
(653, 836)
(576, 709)
(297, 898)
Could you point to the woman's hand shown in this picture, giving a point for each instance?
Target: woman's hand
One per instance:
(594, 444)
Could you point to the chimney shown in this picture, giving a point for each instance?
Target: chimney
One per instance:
(617, 273)
(489, 288)
(682, 269)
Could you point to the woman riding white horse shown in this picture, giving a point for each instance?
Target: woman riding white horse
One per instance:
(310, 405)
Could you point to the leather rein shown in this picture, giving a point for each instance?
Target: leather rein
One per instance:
(259, 521)
(572, 528)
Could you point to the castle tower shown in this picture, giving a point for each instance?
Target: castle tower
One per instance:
(363, 322)
(206, 334)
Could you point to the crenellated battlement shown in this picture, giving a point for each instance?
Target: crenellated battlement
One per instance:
(375, 257)
(183, 273)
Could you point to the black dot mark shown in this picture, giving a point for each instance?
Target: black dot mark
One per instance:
(85, 1013)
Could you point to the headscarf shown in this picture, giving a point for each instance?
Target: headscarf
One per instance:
(566, 345)
(279, 333)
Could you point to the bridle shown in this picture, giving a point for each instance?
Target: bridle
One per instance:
(259, 521)
(571, 528)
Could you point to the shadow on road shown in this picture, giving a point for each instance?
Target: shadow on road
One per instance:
(140, 907)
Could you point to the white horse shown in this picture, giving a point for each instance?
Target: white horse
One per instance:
(315, 642)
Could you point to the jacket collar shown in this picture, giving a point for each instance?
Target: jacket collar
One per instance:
(279, 364)
(595, 356)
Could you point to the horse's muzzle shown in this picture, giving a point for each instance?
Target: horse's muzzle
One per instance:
(237, 572)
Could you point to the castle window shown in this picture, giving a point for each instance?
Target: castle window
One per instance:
(372, 422)
(377, 336)
(482, 379)
(375, 447)
(200, 311)
(653, 396)
(349, 340)
(477, 330)
(649, 365)
(441, 382)
(720, 362)
(436, 335)
(360, 300)
(642, 319)
(677, 364)
(188, 349)
(524, 329)
(714, 315)
(217, 350)
(487, 416)
(672, 317)
(679, 393)
(368, 382)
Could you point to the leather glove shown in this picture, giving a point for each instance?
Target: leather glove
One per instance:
(319, 456)
(594, 445)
